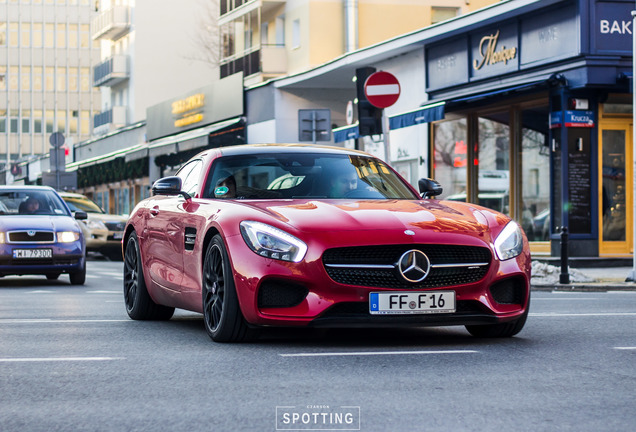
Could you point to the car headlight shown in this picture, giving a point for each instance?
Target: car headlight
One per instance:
(1, 237)
(96, 224)
(271, 242)
(509, 242)
(67, 236)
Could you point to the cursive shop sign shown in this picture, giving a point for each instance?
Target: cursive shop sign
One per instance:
(491, 54)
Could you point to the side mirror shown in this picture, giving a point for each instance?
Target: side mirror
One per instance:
(81, 215)
(429, 187)
(167, 186)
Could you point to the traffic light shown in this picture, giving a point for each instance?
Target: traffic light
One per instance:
(369, 117)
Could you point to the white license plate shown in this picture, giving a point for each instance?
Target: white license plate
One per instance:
(32, 253)
(387, 303)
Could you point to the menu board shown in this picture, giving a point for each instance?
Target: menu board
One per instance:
(579, 185)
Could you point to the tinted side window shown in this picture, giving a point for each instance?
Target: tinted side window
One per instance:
(190, 174)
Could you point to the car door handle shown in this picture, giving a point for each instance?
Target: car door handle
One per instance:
(154, 211)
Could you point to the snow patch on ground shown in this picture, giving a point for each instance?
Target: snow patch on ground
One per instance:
(546, 274)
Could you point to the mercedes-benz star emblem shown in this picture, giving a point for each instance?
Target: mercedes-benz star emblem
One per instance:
(414, 265)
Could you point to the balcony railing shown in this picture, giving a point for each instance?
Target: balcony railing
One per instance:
(111, 72)
(269, 60)
(111, 119)
(111, 24)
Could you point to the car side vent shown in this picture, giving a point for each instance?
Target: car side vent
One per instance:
(190, 238)
(509, 291)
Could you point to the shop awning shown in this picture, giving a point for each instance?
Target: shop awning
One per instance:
(423, 114)
(187, 140)
(346, 133)
(104, 158)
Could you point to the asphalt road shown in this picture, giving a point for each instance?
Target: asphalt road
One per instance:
(71, 360)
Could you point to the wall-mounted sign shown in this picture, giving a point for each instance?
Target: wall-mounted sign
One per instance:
(613, 26)
(200, 107)
(583, 119)
(491, 54)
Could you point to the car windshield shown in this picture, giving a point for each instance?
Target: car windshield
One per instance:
(82, 204)
(31, 202)
(285, 176)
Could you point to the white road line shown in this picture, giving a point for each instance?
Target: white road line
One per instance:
(57, 359)
(625, 348)
(374, 353)
(103, 292)
(534, 299)
(57, 321)
(598, 314)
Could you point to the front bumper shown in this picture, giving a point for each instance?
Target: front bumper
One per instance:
(67, 258)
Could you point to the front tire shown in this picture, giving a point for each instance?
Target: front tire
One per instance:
(78, 277)
(139, 305)
(222, 315)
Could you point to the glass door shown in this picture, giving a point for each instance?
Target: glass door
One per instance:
(616, 191)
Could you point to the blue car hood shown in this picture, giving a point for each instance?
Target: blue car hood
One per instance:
(38, 222)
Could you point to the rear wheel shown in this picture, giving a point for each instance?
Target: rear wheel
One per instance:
(139, 305)
(222, 315)
(507, 329)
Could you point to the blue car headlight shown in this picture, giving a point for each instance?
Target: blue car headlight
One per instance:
(509, 242)
(271, 242)
(67, 236)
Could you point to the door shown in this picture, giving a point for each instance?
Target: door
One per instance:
(616, 193)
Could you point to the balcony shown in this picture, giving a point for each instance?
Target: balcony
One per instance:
(270, 61)
(111, 24)
(111, 72)
(109, 120)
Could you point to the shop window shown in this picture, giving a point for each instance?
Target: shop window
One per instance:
(493, 162)
(535, 173)
(450, 157)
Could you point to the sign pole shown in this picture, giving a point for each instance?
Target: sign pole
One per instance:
(386, 136)
(632, 275)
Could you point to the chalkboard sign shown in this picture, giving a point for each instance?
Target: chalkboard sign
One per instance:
(579, 183)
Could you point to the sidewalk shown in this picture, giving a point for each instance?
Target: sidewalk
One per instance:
(545, 277)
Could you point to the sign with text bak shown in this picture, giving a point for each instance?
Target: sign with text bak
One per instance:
(382, 89)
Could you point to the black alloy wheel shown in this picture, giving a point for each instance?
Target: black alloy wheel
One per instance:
(222, 315)
(139, 305)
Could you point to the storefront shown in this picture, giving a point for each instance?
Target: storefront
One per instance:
(537, 122)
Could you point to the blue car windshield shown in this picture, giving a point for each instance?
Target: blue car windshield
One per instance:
(29, 202)
(305, 175)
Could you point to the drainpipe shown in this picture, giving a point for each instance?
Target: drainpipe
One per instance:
(351, 25)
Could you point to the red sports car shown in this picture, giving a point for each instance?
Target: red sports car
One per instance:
(295, 235)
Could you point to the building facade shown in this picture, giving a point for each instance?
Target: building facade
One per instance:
(46, 55)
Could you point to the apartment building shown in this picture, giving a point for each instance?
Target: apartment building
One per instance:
(46, 54)
(151, 50)
(271, 38)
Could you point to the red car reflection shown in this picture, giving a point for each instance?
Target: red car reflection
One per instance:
(294, 235)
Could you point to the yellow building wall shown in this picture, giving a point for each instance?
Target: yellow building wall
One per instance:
(326, 31)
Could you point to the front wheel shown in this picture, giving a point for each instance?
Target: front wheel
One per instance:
(139, 305)
(222, 315)
(78, 277)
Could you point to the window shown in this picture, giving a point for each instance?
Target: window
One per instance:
(84, 122)
(37, 121)
(26, 121)
(72, 35)
(37, 78)
(3, 77)
(49, 35)
(84, 36)
(50, 121)
(49, 78)
(85, 79)
(72, 124)
(26, 35)
(25, 78)
(190, 174)
(72, 79)
(13, 121)
(13, 35)
(61, 121)
(264, 33)
(37, 35)
(439, 14)
(3, 34)
(13, 77)
(61, 79)
(296, 34)
(3, 121)
(61, 36)
(450, 156)
(280, 30)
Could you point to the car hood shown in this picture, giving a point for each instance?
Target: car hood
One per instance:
(38, 222)
(377, 215)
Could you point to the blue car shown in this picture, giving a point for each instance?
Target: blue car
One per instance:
(39, 235)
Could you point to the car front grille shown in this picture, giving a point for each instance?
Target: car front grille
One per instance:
(31, 237)
(377, 266)
(115, 226)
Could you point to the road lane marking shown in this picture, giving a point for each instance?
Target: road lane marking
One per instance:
(103, 292)
(598, 314)
(625, 348)
(57, 359)
(373, 353)
(56, 321)
(534, 299)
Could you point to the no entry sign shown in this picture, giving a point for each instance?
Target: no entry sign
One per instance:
(382, 89)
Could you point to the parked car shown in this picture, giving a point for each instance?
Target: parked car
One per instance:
(103, 231)
(39, 236)
(347, 243)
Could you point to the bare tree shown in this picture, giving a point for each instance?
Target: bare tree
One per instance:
(205, 35)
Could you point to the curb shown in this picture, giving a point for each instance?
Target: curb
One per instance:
(585, 287)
